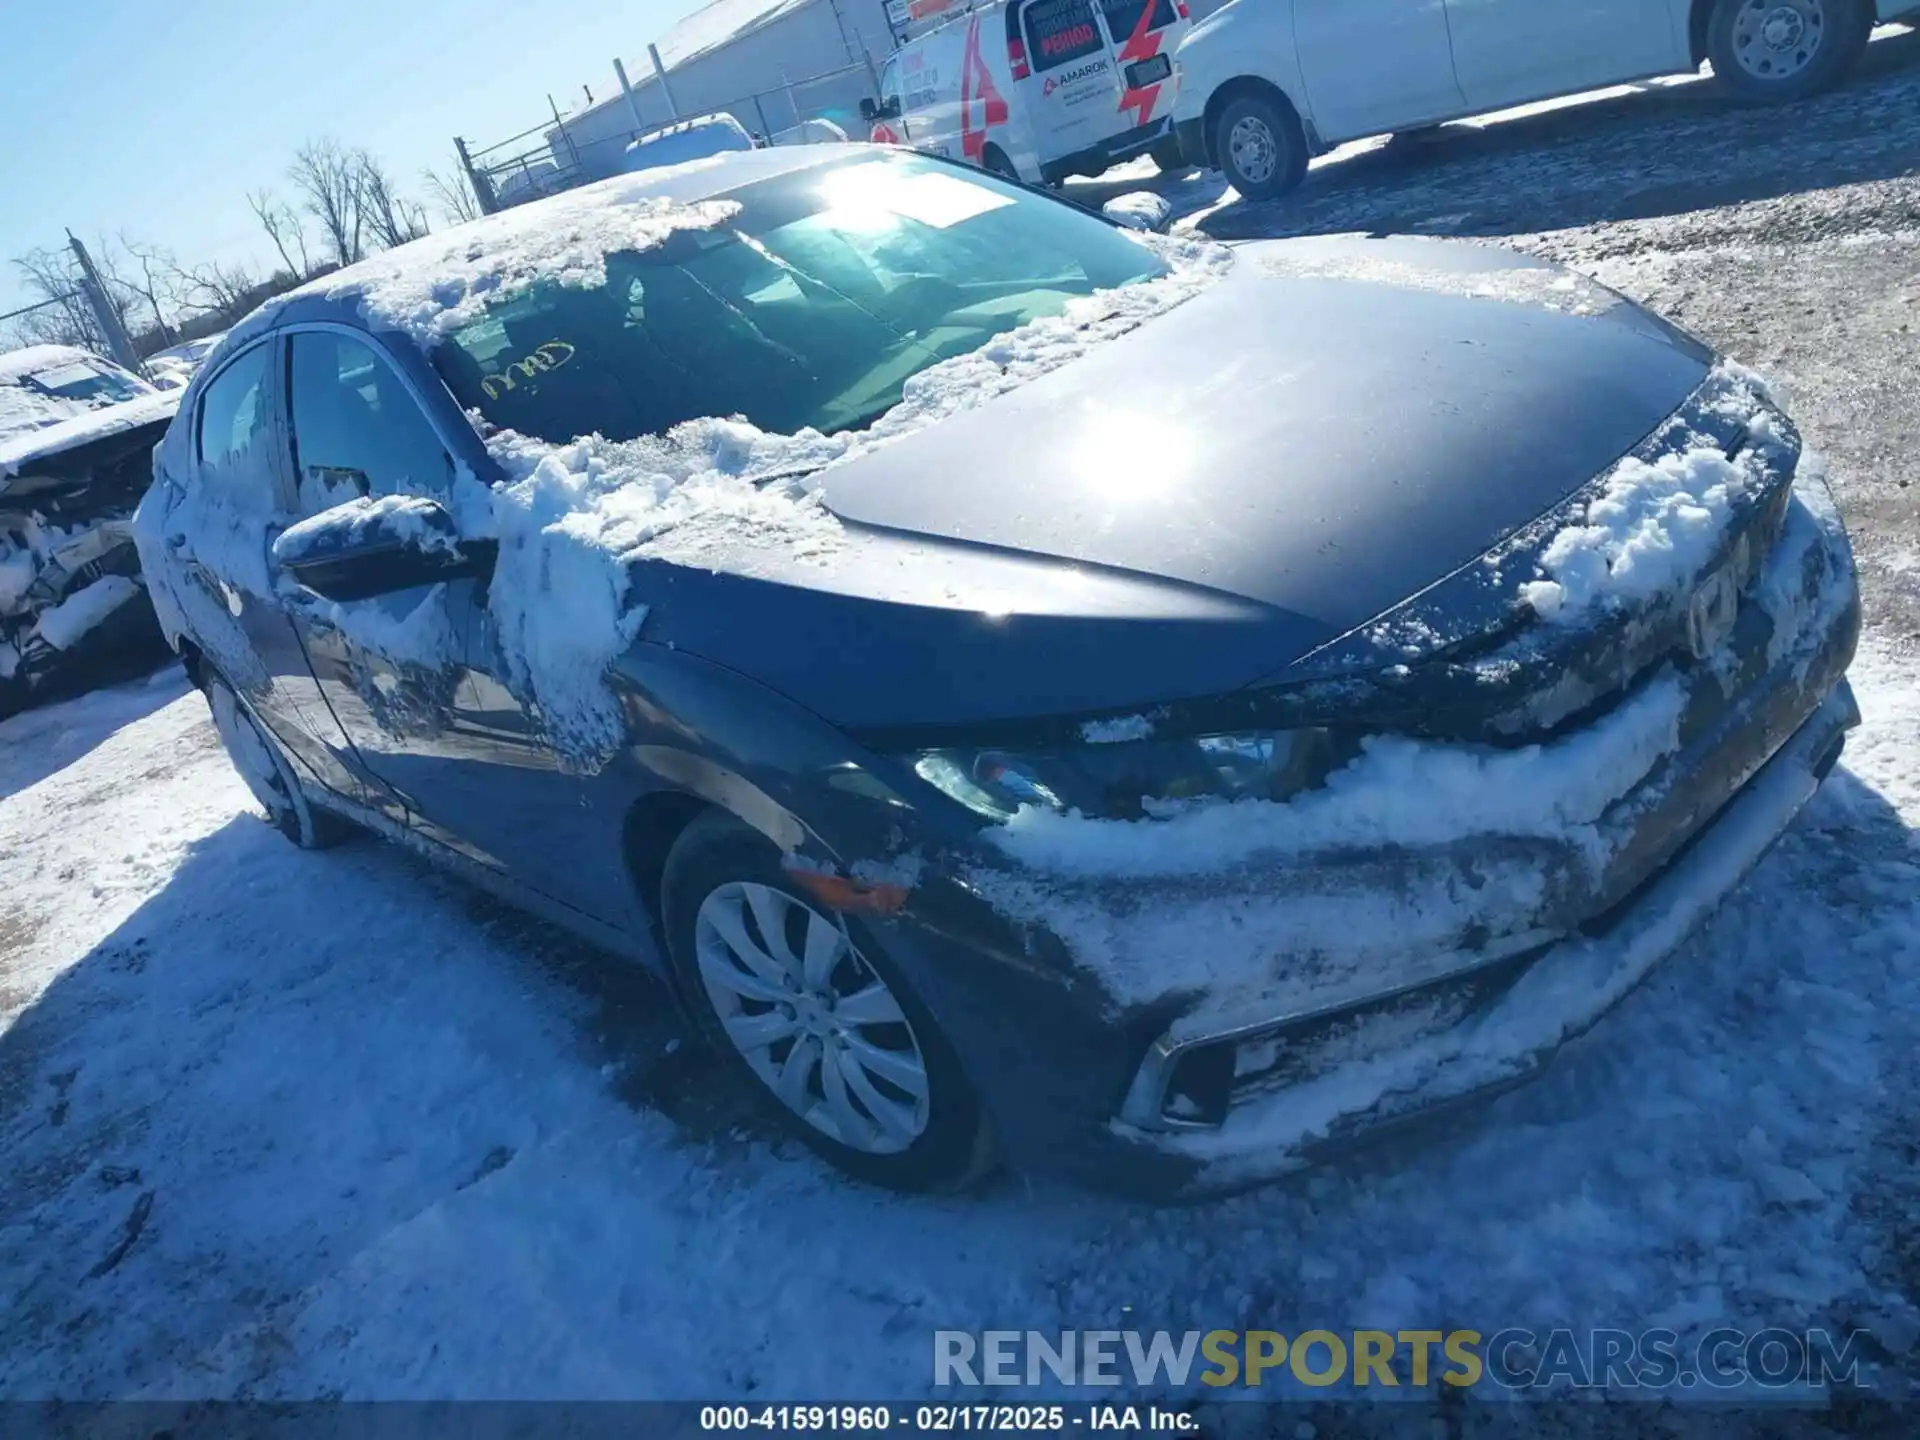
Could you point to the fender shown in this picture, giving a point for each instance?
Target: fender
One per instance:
(1239, 42)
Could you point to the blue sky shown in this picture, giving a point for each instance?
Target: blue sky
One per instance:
(158, 118)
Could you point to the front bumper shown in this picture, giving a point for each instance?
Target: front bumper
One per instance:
(1519, 1009)
(1469, 966)
(1192, 135)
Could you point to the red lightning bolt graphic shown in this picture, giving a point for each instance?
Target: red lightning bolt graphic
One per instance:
(1143, 44)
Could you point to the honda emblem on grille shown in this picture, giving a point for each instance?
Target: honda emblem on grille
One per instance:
(1711, 613)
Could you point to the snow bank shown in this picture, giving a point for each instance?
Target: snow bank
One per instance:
(1657, 523)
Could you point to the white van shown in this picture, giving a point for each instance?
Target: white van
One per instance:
(1266, 84)
(1038, 89)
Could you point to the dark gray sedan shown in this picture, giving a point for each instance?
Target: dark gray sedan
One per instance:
(1034, 690)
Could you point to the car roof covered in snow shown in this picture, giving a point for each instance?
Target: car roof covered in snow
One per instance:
(424, 287)
(15, 363)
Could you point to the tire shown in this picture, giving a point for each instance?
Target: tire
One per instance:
(1271, 155)
(259, 761)
(1169, 158)
(1767, 51)
(721, 878)
(994, 161)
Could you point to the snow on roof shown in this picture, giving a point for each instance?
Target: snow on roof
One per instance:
(714, 25)
(436, 284)
(15, 363)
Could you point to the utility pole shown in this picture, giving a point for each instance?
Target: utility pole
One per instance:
(483, 194)
(119, 343)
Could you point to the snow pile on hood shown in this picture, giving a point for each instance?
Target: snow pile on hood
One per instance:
(572, 518)
(1398, 791)
(1656, 524)
(433, 286)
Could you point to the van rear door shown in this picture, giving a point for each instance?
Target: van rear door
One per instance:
(1143, 34)
(1072, 90)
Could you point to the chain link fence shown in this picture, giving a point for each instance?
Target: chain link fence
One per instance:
(590, 145)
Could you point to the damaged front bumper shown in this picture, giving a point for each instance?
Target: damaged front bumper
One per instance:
(1182, 1034)
(1241, 1088)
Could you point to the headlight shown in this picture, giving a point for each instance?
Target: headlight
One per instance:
(1139, 778)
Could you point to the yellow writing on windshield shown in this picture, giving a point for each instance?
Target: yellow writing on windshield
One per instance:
(549, 356)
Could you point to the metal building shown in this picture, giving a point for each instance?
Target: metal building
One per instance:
(771, 64)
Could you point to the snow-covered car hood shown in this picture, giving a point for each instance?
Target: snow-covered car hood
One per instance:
(21, 448)
(1326, 432)
(1187, 509)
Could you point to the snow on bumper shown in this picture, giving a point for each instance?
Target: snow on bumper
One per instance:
(1349, 990)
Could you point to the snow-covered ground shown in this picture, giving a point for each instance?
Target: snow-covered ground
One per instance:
(278, 1124)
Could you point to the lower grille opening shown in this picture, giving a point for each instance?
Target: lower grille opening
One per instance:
(1208, 1080)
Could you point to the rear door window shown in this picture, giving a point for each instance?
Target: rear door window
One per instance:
(1123, 17)
(1060, 32)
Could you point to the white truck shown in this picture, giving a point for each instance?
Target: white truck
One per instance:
(1038, 89)
(1263, 85)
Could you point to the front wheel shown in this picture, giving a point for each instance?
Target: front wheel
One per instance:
(1772, 50)
(1260, 146)
(813, 1017)
(258, 759)
(1169, 158)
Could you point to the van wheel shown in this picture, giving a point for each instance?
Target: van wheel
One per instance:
(994, 161)
(1260, 145)
(814, 1019)
(1169, 158)
(1772, 50)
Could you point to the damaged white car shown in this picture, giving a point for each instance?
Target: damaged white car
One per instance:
(76, 439)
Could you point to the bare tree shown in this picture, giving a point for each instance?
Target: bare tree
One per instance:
(282, 224)
(392, 219)
(451, 194)
(66, 318)
(212, 288)
(157, 267)
(326, 178)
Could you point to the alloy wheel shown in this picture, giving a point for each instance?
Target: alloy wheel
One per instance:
(811, 1017)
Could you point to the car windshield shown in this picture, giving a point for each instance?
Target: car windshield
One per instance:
(813, 306)
(87, 383)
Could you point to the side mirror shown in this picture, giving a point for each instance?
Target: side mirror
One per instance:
(369, 547)
(869, 112)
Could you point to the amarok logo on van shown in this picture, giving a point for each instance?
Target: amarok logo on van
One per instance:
(1060, 82)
